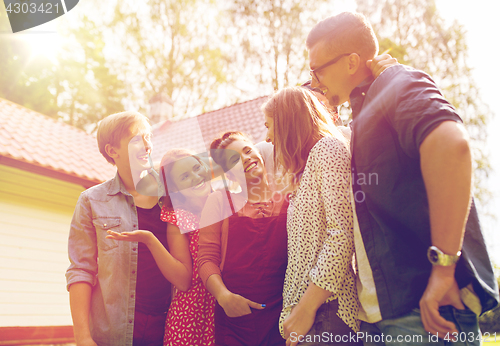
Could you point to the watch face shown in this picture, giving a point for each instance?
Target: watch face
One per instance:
(433, 256)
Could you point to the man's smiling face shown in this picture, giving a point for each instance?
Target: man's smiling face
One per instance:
(331, 79)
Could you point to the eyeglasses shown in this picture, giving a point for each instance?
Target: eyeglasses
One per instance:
(331, 62)
(307, 85)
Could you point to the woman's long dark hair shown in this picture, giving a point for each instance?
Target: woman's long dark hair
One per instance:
(167, 162)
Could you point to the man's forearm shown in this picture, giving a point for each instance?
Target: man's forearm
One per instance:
(79, 301)
(446, 165)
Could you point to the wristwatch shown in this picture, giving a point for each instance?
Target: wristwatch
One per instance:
(439, 258)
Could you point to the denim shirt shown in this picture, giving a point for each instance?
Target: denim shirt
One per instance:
(108, 265)
(392, 115)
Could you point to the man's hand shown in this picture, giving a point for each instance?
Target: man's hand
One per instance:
(86, 342)
(380, 63)
(235, 305)
(441, 290)
(299, 321)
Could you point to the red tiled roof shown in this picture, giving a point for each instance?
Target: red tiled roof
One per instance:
(35, 142)
(198, 132)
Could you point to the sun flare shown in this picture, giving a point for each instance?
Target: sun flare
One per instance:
(44, 41)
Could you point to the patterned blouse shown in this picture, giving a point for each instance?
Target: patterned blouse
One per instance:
(320, 232)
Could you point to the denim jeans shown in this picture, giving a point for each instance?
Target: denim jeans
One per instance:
(329, 329)
(409, 330)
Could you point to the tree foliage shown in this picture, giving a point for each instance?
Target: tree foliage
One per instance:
(24, 78)
(77, 87)
(85, 88)
(418, 36)
(172, 47)
(270, 36)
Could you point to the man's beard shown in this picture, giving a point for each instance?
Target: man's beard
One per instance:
(334, 101)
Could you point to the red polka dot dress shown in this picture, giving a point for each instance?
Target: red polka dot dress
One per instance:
(190, 318)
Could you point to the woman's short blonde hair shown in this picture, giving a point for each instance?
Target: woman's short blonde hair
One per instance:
(115, 127)
(300, 121)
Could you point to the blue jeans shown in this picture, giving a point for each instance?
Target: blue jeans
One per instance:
(329, 329)
(409, 330)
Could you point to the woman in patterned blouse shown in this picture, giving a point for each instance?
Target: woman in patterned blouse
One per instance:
(319, 293)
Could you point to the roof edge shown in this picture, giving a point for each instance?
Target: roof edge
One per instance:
(55, 120)
(48, 172)
(234, 104)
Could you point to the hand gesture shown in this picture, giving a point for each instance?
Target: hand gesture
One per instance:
(441, 290)
(299, 321)
(86, 342)
(139, 236)
(235, 305)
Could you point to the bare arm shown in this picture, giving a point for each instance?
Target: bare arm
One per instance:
(176, 265)
(180, 266)
(446, 165)
(234, 305)
(210, 256)
(79, 301)
(303, 314)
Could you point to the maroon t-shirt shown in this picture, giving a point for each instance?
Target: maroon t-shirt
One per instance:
(153, 291)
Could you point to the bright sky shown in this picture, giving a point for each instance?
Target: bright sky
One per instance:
(479, 19)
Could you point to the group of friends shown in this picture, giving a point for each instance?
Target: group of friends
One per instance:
(366, 234)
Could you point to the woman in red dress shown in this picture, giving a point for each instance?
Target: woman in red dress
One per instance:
(190, 318)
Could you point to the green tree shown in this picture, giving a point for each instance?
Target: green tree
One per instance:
(270, 35)
(78, 87)
(85, 88)
(173, 47)
(419, 37)
(25, 79)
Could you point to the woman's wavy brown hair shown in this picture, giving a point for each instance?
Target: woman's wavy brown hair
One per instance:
(300, 121)
(222, 141)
